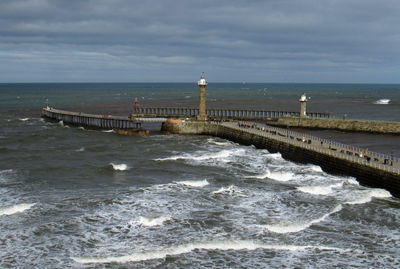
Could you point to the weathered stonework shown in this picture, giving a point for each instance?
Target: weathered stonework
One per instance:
(385, 127)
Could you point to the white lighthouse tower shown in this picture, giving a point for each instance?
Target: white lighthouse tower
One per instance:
(303, 104)
(202, 107)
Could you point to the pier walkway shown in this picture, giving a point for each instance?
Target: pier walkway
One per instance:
(96, 121)
(337, 150)
(220, 113)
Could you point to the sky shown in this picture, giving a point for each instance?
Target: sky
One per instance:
(310, 41)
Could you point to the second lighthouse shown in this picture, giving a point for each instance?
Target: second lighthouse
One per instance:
(202, 107)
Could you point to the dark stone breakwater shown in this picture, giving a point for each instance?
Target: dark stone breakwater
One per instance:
(370, 168)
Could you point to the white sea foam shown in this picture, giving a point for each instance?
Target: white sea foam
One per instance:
(316, 190)
(221, 155)
(352, 181)
(211, 245)
(81, 128)
(316, 168)
(278, 176)
(4, 173)
(108, 131)
(261, 176)
(295, 227)
(366, 196)
(153, 221)
(61, 123)
(80, 150)
(24, 119)
(120, 167)
(15, 209)
(212, 141)
(281, 176)
(275, 156)
(231, 190)
(380, 193)
(383, 101)
(7, 171)
(194, 183)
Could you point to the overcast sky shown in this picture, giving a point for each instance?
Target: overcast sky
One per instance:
(174, 41)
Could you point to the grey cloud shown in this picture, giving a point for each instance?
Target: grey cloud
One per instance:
(237, 40)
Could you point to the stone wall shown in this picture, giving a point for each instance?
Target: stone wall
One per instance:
(385, 127)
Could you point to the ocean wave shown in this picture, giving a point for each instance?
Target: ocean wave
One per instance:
(366, 196)
(153, 221)
(352, 181)
(280, 176)
(316, 168)
(23, 119)
(383, 101)
(275, 156)
(108, 131)
(120, 167)
(212, 141)
(80, 149)
(5, 173)
(319, 190)
(194, 183)
(221, 156)
(224, 245)
(81, 128)
(15, 209)
(277, 176)
(231, 190)
(295, 227)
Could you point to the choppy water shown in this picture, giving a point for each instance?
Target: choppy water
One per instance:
(71, 197)
(88, 199)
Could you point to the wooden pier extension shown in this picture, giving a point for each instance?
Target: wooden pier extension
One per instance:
(122, 125)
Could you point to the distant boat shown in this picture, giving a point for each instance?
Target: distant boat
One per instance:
(382, 102)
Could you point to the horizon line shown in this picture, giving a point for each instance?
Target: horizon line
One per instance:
(216, 82)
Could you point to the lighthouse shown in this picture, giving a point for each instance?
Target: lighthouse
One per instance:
(202, 107)
(303, 104)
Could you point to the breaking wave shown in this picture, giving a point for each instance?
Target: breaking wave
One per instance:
(194, 183)
(15, 209)
(383, 101)
(80, 150)
(231, 190)
(108, 131)
(153, 221)
(278, 176)
(366, 196)
(319, 190)
(24, 119)
(212, 141)
(212, 245)
(298, 226)
(223, 154)
(120, 167)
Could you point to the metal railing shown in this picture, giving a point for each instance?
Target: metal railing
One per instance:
(328, 147)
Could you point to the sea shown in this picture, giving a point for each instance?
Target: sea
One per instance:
(77, 198)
